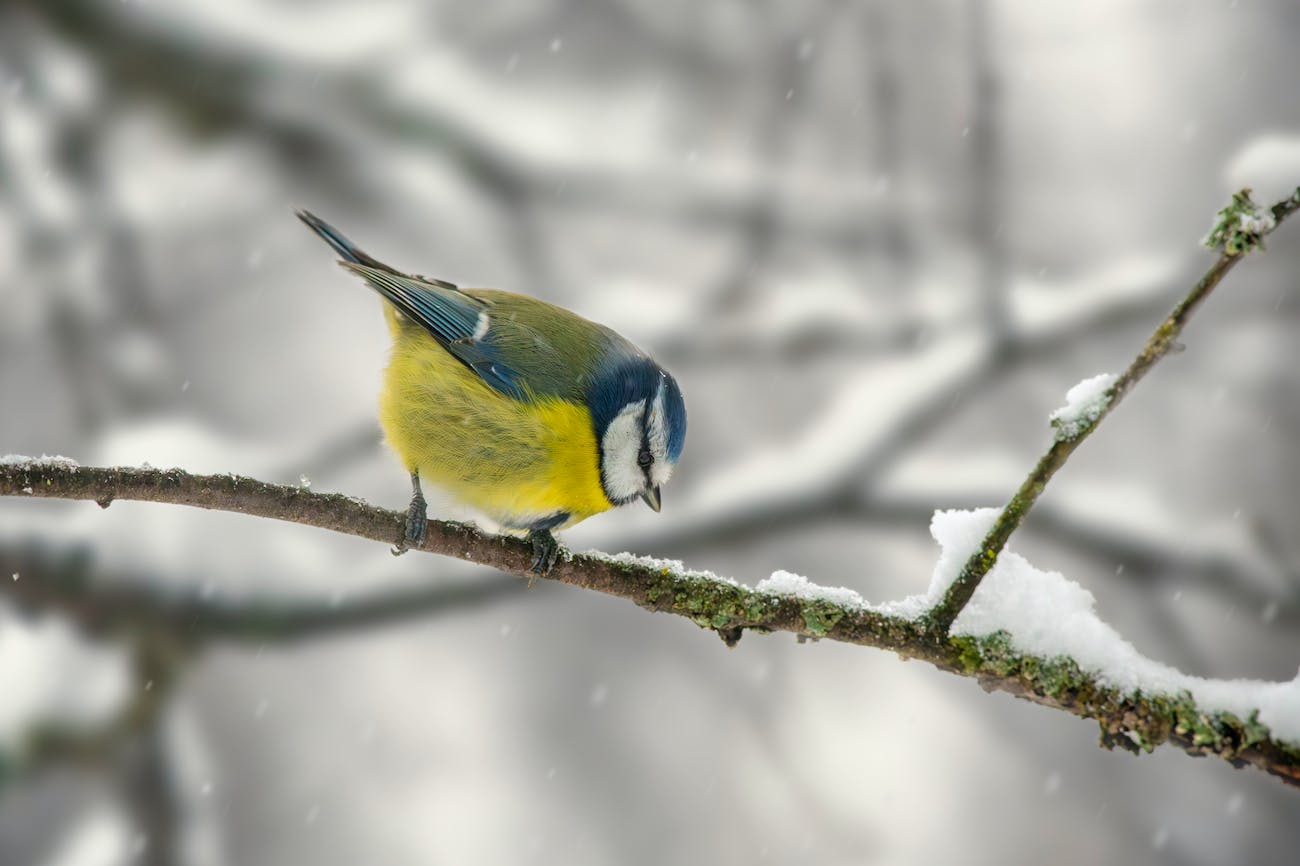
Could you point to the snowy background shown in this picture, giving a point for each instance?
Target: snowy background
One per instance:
(875, 242)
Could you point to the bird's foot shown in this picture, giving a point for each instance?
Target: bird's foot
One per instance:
(546, 552)
(417, 525)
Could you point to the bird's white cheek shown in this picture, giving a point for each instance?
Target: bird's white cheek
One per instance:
(661, 472)
(622, 477)
(657, 433)
(657, 427)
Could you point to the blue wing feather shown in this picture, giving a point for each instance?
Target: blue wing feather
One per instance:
(349, 251)
(451, 317)
(448, 314)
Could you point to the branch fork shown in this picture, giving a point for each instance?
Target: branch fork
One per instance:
(1239, 228)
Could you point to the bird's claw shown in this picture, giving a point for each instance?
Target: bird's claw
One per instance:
(417, 526)
(546, 552)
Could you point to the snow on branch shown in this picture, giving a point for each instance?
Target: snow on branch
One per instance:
(1000, 639)
(1084, 404)
(1240, 228)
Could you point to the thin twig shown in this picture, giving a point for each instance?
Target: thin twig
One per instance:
(1161, 342)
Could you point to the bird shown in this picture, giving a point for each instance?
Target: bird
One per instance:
(526, 412)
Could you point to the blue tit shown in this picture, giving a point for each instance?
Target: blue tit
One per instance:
(525, 411)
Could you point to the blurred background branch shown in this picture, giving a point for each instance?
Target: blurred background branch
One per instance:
(67, 581)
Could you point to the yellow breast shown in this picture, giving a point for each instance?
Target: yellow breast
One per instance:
(517, 462)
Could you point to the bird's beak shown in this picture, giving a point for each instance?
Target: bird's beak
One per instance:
(651, 497)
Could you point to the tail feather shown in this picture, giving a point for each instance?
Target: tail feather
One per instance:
(332, 236)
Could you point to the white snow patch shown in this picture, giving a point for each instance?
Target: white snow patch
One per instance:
(1259, 222)
(1122, 509)
(1084, 403)
(44, 460)
(957, 538)
(1045, 615)
(1049, 616)
(674, 565)
(1269, 165)
(785, 583)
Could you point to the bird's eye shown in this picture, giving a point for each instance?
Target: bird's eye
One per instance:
(643, 458)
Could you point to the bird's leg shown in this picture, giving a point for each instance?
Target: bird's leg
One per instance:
(546, 550)
(417, 519)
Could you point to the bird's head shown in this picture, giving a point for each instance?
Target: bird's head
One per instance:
(640, 423)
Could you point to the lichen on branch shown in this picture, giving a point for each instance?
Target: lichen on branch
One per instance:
(1241, 226)
(723, 606)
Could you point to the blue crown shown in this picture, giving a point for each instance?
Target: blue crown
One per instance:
(634, 379)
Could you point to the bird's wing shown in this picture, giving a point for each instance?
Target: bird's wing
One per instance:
(459, 322)
(350, 252)
(456, 320)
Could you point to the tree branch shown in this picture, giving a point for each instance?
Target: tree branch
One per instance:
(1129, 720)
(1240, 228)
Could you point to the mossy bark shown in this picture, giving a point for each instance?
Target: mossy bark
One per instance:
(1139, 721)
